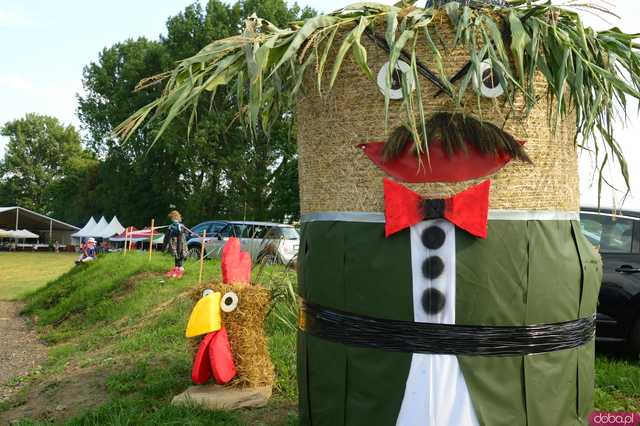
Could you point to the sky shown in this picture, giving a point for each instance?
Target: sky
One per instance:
(45, 44)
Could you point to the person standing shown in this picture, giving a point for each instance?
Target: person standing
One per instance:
(176, 243)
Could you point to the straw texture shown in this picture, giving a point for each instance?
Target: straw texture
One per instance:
(336, 176)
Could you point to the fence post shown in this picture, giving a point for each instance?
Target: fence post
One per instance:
(204, 237)
(153, 222)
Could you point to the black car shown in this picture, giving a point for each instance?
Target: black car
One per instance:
(616, 234)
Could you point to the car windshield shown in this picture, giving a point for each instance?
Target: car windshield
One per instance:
(200, 228)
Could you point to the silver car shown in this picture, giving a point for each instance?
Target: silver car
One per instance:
(267, 242)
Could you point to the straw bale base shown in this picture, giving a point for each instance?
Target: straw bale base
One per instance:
(215, 397)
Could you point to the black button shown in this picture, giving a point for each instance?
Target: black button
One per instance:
(433, 237)
(433, 209)
(432, 267)
(433, 301)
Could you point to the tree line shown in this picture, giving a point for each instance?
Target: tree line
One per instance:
(214, 169)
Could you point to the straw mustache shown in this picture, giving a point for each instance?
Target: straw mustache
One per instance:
(454, 131)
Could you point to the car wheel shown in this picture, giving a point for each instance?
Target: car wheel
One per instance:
(194, 252)
(634, 339)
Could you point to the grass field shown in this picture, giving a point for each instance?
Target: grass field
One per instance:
(117, 326)
(24, 272)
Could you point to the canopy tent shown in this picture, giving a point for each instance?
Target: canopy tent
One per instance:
(113, 228)
(100, 227)
(86, 229)
(20, 234)
(137, 235)
(44, 227)
(23, 234)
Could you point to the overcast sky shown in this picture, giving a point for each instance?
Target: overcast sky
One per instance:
(45, 44)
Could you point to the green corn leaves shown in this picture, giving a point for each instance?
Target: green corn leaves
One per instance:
(590, 74)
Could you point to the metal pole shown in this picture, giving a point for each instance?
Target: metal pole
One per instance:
(17, 211)
(126, 237)
(204, 236)
(153, 222)
(50, 230)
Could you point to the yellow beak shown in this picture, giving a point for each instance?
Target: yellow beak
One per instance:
(206, 316)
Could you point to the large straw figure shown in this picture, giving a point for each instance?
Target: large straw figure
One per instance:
(443, 274)
(533, 266)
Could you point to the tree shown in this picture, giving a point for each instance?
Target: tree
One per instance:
(220, 170)
(40, 154)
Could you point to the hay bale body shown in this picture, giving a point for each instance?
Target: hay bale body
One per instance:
(335, 175)
(527, 271)
(245, 327)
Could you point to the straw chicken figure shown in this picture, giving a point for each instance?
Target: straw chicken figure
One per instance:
(230, 319)
(443, 274)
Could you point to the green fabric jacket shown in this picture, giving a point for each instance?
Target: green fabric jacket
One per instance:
(525, 272)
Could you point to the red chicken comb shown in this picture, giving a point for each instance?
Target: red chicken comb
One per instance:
(236, 264)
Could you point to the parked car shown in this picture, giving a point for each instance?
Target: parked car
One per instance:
(266, 242)
(617, 237)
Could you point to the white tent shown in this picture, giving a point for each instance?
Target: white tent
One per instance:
(100, 227)
(113, 228)
(84, 232)
(23, 235)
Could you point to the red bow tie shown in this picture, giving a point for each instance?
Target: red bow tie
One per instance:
(467, 210)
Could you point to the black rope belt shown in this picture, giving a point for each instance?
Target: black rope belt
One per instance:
(445, 339)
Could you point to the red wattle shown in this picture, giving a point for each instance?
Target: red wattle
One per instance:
(201, 371)
(221, 358)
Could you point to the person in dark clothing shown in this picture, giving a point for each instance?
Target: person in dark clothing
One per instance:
(175, 241)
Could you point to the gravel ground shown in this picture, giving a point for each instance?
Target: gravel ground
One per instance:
(20, 349)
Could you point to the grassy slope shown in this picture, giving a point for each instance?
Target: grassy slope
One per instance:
(24, 272)
(120, 316)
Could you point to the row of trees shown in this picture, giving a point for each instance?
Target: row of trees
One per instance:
(218, 171)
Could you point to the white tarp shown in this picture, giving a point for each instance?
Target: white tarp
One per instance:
(84, 232)
(113, 228)
(22, 234)
(5, 234)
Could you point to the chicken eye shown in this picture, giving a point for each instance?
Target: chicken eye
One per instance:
(395, 88)
(207, 292)
(229, 302)
(489, 86)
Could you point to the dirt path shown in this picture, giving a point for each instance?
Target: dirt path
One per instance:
(20, 348)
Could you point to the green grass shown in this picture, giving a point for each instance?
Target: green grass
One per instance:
(617, 384)
(120, 317)
(24, 272)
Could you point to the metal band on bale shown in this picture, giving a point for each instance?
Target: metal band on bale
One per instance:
(443, 339)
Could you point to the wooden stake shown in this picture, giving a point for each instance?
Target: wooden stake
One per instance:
(153, 222)
(204, 236)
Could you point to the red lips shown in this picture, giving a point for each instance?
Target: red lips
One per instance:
(436, 166)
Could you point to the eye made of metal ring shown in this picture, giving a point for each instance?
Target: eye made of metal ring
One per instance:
(395, 88)
(229, 302)
(489, 86)
(206, 292)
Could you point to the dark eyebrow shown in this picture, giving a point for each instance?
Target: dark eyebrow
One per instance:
(422, 68)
